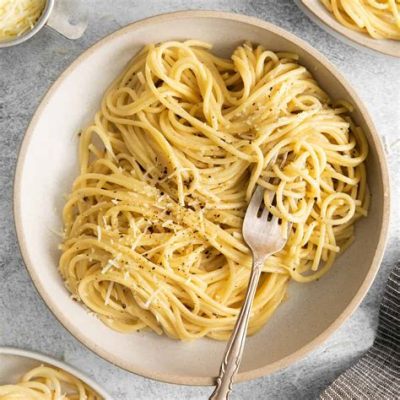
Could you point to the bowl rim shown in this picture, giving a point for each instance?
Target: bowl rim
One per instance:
(39, 24)
(34, 355)
(241, 376)
(350, 37)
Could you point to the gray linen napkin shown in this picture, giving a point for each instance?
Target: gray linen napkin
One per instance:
(376, 376)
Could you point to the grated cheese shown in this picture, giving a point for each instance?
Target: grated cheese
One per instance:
(108, 294)
(202, 225)
(98, 233)
(18, 17)
(151, 298)
(148, 172)
(141, 78)
(111, 263)
(137, 240)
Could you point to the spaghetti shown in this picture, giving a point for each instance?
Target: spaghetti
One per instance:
(47, 383)
(153, 224)
(378, 18)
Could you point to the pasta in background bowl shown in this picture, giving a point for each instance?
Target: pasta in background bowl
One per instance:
(378, 19)
(366, 25)
(312, 312)
(27, 375)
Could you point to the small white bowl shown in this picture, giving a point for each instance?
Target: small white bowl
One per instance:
(48, 163)
(14, 363)
(40, 23)
(56, 15)
(317, 12)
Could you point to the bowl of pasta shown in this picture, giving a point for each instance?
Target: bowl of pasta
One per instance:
(373, 25)
(29, 375)
(129, 211)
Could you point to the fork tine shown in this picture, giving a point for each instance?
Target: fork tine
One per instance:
(255, 201)
(271, 196)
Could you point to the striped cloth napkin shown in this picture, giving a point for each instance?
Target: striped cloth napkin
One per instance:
(376, 376)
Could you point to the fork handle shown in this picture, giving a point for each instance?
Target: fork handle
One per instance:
(234, 349)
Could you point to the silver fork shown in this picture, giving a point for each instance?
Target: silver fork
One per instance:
(264, 237)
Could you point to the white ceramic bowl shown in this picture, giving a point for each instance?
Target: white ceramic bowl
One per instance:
(317, 12)
(48, 163)
(16, 362)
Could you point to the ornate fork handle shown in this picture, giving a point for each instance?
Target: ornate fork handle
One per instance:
(234, 350)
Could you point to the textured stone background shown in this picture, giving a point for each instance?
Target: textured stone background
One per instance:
(28, 70)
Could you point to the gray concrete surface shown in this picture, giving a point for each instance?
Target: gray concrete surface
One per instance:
(25, 74)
